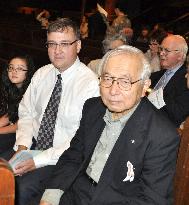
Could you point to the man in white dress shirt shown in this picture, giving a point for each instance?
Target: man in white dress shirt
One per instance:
(78, 84)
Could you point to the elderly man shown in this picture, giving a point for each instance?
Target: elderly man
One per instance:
(119, 154)
(170, 82)
(51, 109)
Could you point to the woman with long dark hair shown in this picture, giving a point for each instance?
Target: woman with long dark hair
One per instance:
(14, 82)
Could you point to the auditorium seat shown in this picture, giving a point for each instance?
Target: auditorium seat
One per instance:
(7, 184)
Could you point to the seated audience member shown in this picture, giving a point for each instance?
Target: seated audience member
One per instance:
(109, 43)
(119, 154)
(121, 21)
(51, 108)
(15, 80)
(170, 83)
(43, 18)
(153, 53)
(144, 35)
(84, 27)
(121, 24)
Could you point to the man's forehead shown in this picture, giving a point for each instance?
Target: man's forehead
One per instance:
(124, 58)
(123, 63)
(62, 30)
(170, 41)
(60, 34)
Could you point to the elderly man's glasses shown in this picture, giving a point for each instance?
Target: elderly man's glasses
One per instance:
(123, 83)
(166, 50)
(17, 69)
(61, 45)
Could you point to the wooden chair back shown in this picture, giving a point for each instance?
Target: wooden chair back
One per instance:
(181, 185)
(7, 184)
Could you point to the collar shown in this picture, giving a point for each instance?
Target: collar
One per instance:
(68, 72)
(174, 69)
(108, 116)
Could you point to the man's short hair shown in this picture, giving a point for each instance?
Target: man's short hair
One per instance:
(125, 49)
(61, 24)
(183, 46)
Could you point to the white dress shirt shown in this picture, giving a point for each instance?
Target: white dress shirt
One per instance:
(78, 84)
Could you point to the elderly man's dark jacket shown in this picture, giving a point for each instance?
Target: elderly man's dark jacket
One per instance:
(175, 94)
(148, 141)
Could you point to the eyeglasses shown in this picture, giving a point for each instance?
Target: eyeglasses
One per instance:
(62, 45)
(17, 69)
(153, 44)
(166, 50)
(123, 83)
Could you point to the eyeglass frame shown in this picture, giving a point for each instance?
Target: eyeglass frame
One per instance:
(166, 50)
(154, 44)
(115, 79)
(17, 69)
(62, 44)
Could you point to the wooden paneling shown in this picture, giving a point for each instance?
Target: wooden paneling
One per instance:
(181, 189)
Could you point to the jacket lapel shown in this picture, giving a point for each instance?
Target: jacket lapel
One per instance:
(94, 130)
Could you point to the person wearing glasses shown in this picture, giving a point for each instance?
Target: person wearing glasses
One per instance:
(152, 53)
(77, 83)
(14, 82)
(119, 154)
(170, 83)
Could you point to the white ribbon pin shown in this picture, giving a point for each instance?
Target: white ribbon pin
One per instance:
(130, 172)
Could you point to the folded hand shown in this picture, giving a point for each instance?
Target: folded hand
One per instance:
(24, 167)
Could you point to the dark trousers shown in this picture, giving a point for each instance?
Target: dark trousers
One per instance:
(80, 193)
(7, 142)
(32, 185)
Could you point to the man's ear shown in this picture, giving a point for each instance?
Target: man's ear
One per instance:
(146, 86)
(78, 46)
(181, 56)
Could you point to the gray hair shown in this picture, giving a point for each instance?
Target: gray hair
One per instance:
(145, 70)
(61, 24)
(183, 45)
(110, 38)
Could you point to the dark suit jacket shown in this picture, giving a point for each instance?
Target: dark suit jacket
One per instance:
(153, 155)
(176, 95)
